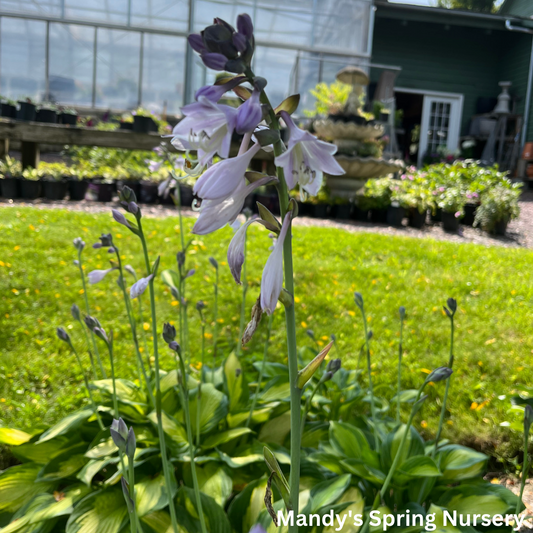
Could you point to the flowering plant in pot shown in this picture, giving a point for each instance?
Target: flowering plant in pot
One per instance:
(27, 109)
(376, 198)
(452, 202)
(498, 207)
(47, 112)
(68, 116)
(54, 180)
(30, 185)
(8, 107)
(144, 121)
(10, 175)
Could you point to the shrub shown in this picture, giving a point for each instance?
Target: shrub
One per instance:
(499, 204)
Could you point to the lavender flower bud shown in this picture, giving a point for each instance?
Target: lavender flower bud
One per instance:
(106, 238)
(127, 195)
(402, 312)
(78, 244)
(240, 42)
(180, 258)
(120, 218)
(138, 288)
(197, 43)
(169, 332)
(76, 262)
(75, 311)
(214, 61)
(101, 334)
(370, 334)
(133, 208)
(214, 262)
(91, 322)
(200, 306)
(310, 333)
(334, 365)
(97, 245)
(439, 374)
(119, 434)
(130, 270)
(245, 25)
(63, 335)
(174, 346)
(333, 337)
(358, 297)
(452, 304)
(190, 273)
(130, 504)
(131, 444)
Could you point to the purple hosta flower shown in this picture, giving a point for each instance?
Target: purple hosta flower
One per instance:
(96, 276)
(63, 335)
(214, 61)
(207, 127)
(120, 218)
(258, 528)
(223, 178)
(236, 251)
(215, 92)
(100, 332)
(78, 244)
(306, 159)
(272, 280)
(249, 114)
(214, 214)
(140, 286)
(153, 166)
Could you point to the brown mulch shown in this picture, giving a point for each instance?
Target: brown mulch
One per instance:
(519, 233)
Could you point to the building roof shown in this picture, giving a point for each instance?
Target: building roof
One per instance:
(517, 8)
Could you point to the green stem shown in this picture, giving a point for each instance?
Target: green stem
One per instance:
(188, 425)
(161, 433)
(88, 310)
(243, 301)
(109, 344)
(93, 366)
(133, 327)
(131, 482)
(308, 405)
(198, 403)
(145, 342)
(525, 470)
(400, 354)
(446, 391)
(261, 371)
(215, 328)
(370, 383)
(91, 399)
(203, 350)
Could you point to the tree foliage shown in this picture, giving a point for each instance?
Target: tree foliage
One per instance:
(482, 6)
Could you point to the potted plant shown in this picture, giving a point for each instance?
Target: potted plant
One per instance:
(47, 113)
(105, 184)
(10, 174)
(68, 116)
(8, 108)
(341, 209)
(53, 180)
(131, 174)
(143, 121)
(78, 182)
(498, 207)
(452, 203)
(27, 109)
(399, 204)
(376, 198)
(126, 122)
(30, 186)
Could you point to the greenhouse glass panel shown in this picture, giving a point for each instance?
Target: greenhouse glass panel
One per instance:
(206, 10)
(163, 72)
(43, 7)
(115, 11)
(165, 14)
(307, 78)
(22, 58)
(71, 64)
(117, 69)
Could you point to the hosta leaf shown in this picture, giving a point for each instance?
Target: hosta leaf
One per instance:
(351, 442)
(414, 445)
(102, 512)
(459, 462)
(43, 452)
(13, 437)
(213, 408)
(277, 389)
(416, 467)
(224, 436)
(86, 474)
(246, 507)
(103, 449)
(331, 461)
(215, 517)
(254, 454)
(64, 465)
(356, 502)
(171, 427)
(69, 423)
(360, 469)
(276, 430)
(151, 495)
(326, 493)
(18, 486)
(272, 370)
(235, 383)
(215, 482)
(259, 415)
(127, 391)
(157, 522)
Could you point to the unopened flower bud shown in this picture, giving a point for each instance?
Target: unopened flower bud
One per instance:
(245, 25)
(358, 297)
(180, 258)
(310, 333)
(402, 312)
(131, 270)
(200, 306)
(133, 208)
(119, 434)
(120, 218)
(76, 262)
(452, 304)
(174, 346)
(439, 374)
(91, 322)
(333, 337)
(214, 262)
(131, 444)
(101, 334)
(63, 335)
(75, 311)
(106, 239)
(334, 365)
(169, 332)
(97, 245)
(127, 195)
(190, 273)
(370, 334)
(78, 244)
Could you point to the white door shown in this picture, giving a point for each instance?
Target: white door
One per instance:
(441, 123)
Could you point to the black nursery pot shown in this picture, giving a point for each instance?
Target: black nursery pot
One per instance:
(30, 189)
(68, 118)
(105, 191)
(49, 116)
(378, 216)
(342, 211)
(148, 192)
(500, 227)
(186, 195)
(26, 111)
(470, 215)
(437, 216)
(54, 189)
(9, 111)
(450, 222)
(395, 215)
(319, 210)
(360, 214)
(126, 126)
(417, 219)
(10, 187)
(143, 124)
(77, 189)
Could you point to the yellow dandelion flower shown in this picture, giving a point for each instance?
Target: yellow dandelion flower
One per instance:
(57, 295)
(296, 299)
(81, 291)
(424, 424)
(473, 406)
(351, 313)
(174, 303)
(32, 227)
(304, 324)
(146, 326)
(17, 247)
(425, 370)
(208, 335)
(490, 341)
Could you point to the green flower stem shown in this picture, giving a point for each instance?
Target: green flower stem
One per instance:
(215, 328)
(198, 415)
(400, 354)
(161, 433)
(131, 482)
(261, 371)
(93, 366)
(88, 310)
(308, 404)
(203, 349)
(185, 402)
(370, 383)
(145, 342)
(243, 302)
(91, 399)
(446, 391)
(525, 471)
(133, 327)
(109, 344)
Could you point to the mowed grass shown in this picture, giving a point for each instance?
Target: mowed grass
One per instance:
(40, 382)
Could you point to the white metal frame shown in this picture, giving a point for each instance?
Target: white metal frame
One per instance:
(456, 112)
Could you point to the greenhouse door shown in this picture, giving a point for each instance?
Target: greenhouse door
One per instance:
(441, 123)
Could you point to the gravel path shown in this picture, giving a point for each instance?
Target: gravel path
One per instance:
(519, 233)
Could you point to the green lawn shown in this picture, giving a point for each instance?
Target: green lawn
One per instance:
(39, 381)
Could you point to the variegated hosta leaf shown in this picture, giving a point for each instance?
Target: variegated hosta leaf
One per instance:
(459, 462)
(235, 383)
(151, 495)
(351, 442)
(213, 408)
(13, 437)
(65, 464)
(215, 482)
(69, 423)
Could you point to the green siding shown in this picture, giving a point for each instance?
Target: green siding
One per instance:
(455, 59)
